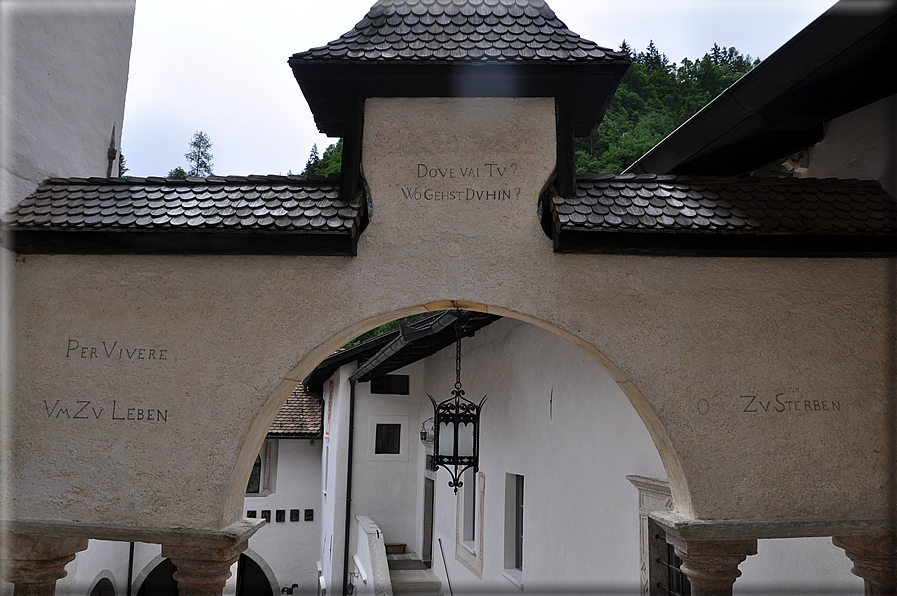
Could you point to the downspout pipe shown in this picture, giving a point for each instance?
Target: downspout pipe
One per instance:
(350, 448)
(407, 336)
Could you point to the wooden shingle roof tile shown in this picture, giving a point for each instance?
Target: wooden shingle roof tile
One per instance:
(88, 214)
(684, 215)
(459, 31)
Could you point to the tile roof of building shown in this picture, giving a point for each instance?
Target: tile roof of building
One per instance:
(295, 205)
(300, 417)
(460, 30)
(653, 205)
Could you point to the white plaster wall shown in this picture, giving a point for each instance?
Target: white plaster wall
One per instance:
(860, 145)
(387, 491)
(556, 417)
(333, 466)
(64, 76)
(291, 548)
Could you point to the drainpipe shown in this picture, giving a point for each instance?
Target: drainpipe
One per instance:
(349, 483)
(407, 335)
(130, 568)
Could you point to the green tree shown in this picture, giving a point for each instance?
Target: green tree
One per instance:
(329, 163)
(199, 155)
(177, 172)
(313, 160)
(654, 98)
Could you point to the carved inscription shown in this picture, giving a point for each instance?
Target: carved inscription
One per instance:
(112, 350)
(498, 183)
(85, 409)
(782, 404)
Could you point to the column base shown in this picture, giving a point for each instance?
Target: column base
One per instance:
(874, 559)
(712, 565)
(33, 564)
(202, 571)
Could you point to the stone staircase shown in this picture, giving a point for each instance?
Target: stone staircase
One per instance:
(410, 576)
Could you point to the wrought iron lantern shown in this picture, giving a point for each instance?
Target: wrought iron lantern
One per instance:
(457, 426)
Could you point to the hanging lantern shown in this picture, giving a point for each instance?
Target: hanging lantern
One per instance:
(457, 426)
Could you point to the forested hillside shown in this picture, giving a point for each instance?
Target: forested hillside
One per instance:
(654, 98)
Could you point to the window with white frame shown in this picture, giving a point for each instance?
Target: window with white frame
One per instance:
(513, 564)
(469, 521)
(388, 438)
(261, 479)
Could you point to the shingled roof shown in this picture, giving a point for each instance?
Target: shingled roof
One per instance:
(459, 30)
(300, 417)
(230, 215)
(650, 214)
(458, 48)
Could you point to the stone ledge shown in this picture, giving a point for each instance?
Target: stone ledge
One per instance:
(233, 534)
(743, 529)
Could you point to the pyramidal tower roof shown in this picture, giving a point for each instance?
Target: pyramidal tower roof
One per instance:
(459, 31)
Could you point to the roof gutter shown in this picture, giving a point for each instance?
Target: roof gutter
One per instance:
(407, 335)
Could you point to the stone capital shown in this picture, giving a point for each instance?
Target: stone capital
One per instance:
(34, 563)
(712, 565)
(202, 570)
(874, 559)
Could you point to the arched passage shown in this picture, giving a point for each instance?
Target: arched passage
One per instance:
(642, 407)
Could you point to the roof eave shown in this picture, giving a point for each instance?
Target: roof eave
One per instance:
(779, 107)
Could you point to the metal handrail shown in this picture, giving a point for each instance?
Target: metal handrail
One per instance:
(447, 578)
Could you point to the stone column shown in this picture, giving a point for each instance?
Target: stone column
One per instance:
(34, 563)
(712, 565)
(874, 559)
(202, 570)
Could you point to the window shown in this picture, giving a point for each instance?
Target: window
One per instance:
(513, 567)
(261, 479)
(391, 385)
(388, 439)
(469, 507)
(255, 478)
(673, 582)
(469, 521)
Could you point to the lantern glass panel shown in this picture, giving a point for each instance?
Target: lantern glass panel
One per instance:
(446, 439)
(465, 439)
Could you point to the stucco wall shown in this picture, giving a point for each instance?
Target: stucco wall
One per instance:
(739, 368)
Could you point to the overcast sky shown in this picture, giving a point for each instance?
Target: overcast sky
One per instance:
(220, 66)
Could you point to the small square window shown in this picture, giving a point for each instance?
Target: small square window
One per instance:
(252, 514)
(295, 515)
(309, 515)
(266, 515)
(280, 515)
(388, 439)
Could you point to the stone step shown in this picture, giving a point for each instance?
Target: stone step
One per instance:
(413, 582)
(416, 582)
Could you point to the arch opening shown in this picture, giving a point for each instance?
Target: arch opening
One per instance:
(648, 416)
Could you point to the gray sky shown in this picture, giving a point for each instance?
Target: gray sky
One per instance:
(220, 66)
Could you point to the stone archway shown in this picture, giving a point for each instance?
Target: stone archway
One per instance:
(164, 370)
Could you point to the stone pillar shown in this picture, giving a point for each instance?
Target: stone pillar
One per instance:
(712, 565)
(34, 563)
(202, 570)
(874, 559)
